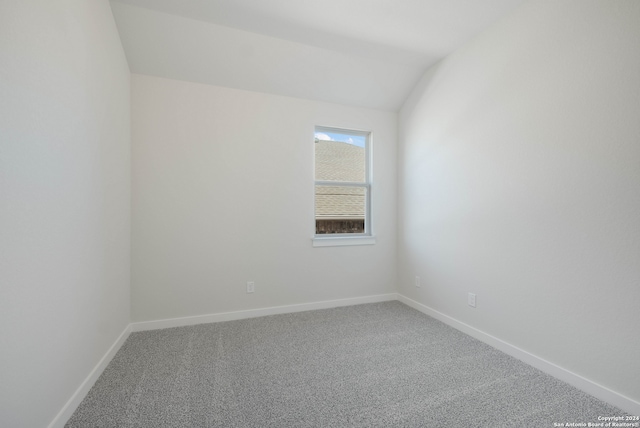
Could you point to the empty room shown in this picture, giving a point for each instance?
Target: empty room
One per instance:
(337, 213)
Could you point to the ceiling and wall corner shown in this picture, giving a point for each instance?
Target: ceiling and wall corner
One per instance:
(348, 53)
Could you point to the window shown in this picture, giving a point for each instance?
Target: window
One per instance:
(342, 186)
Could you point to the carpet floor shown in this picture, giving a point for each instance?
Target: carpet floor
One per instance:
(373, 365)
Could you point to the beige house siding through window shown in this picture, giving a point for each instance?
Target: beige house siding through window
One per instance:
(340, 209)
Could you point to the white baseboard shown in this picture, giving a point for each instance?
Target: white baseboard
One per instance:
(603, 393)
(67, 410)
(253, 313)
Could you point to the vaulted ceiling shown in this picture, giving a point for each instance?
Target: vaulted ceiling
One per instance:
(367, 53)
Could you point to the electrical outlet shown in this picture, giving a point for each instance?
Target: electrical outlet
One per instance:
(251, 286)
(471, 299)
(417, 281)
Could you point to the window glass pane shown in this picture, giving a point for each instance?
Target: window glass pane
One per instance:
(340, 209)
(340, 157)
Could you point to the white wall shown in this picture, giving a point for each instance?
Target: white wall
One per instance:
(223, 194)
(519, 180)
(64, 201)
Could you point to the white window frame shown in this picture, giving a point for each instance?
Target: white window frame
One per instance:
(344, 239)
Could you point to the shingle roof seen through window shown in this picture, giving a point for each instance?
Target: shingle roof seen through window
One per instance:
(336, 161)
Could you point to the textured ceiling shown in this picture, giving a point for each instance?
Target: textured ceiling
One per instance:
(366, 53)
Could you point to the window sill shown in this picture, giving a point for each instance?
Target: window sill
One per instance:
(340, 241)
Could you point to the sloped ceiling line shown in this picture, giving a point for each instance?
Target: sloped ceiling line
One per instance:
(356, 52)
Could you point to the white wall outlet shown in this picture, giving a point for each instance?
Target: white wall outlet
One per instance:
(417, 281)
(471, 299)
(251, 286)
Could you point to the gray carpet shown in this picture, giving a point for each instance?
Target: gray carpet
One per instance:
(374, 365)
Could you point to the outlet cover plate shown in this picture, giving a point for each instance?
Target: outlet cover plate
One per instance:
(471, 299)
